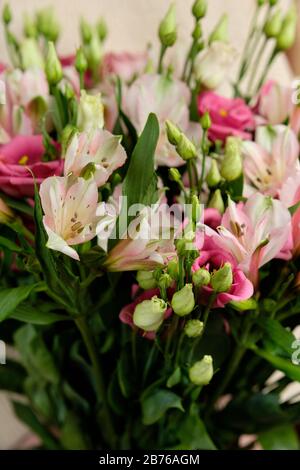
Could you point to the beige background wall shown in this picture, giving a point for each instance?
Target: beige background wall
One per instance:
(132, 24)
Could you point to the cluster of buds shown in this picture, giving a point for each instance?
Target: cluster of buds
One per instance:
(184, 146)
(92, 39)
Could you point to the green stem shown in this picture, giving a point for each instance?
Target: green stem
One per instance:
(265, 72)
(203, 146)
(108, 429)
(250, 36)
(161, 57)
(256, 64)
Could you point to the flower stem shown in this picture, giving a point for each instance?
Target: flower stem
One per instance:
(161, 57)
(87, 337)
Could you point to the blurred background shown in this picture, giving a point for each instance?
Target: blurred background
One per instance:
(132, 25)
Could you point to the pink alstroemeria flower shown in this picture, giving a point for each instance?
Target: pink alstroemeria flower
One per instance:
(270, 160)
(70, 213)
(274, 103)
(21, 158)
(254, 233)
(126, 314)
(99, 151)
(290, 196)
(230, 117)
(27, 96)
(125, 65)
(169, 99)
(213, 257)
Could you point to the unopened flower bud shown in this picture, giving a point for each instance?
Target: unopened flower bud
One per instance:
(213, 177)
(53, 66)
(80, 61)
(202, 371)
(86, 31)
(273, 25)
(232, 166)
(244, 305)
(165, 281)
(29, 27)
(6, 214)
(205, 121)
(193, 328)
(6, 14)
(167, 28)
(287, 35)
(30, 54)
(146, 280)
(272, 3)
(183, 301)
(197, 33)
(47, 24)
(102, 29)
(185, 148)
(201, 277)
(217, 202)
(173, 269)
(66, 136)
(260, 3)
(220, 33)
(174, 175)
(173, 133)
(149, 314)
(199, 9)
(93, 52)
(90, 112)
(221, 280)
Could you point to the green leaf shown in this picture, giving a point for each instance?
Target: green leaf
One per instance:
(29, 314)
(12, 377)
(25, 414)
(72, 435)
(11, 298)
(155, 405)
(285, 365)
(235, 188)
(279, 438)
(277, 334)
(174, 378)
(124, 375)
(16, 204)
(193, 434)
(6, 243)
(294, 208)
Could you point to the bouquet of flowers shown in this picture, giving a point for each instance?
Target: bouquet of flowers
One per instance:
(150, 238)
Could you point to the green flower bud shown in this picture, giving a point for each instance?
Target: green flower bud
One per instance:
(194, 328)
(244, 305)
(221, 280)
(213, 177)
(220, 33)
(86, 31)
(199, 9)
(201, 277)
(30, 54)
(183, 301)
(287, 35)
(202, 371)
(80, 61)
(205, 121)
(217, 202)
(29, 27)
(185, 148)
(53, 66)
(66, 136)
(232, 166)
(149, 314)
(173, 133)
(93, 52)
(6, 14)
(260, 3)
(47, 24)
(174, 175)
(165, 281)
(197, 33)
(273, 25)
(196, 209)
(167, 28)
(272, 3)
(102, 29)
(173, 269)
(68, 91)
(146, 280)
(90, 112)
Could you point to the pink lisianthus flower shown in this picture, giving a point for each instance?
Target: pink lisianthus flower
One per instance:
(270, 160)
(19, 160)
(126, 314)
(230, 117)
(70, 213)
(212, 218)
(274, 103)
(125, 65)
(100, 150)
(254, 233)
(212, 257)
(290, 196)
(27, 97)
(169, 99)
